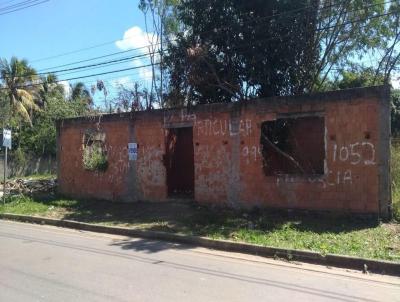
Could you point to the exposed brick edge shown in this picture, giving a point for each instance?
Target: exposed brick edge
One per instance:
(347, 95)
(376, 266)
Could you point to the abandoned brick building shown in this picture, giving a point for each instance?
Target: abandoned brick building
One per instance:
(325, 151)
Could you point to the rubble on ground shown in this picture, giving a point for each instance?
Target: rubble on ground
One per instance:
(29, 186)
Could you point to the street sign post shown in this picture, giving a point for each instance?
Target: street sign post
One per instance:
(7, 145)
(7, 138)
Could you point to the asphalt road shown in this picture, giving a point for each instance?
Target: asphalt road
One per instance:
(42, 263)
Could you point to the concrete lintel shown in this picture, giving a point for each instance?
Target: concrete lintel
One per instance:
(178, 125)
(261, 104)
(300, 114)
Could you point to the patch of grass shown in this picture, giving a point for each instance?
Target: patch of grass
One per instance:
(323, 233)
(23, 205)
(35, 176)
(374, 242)
(395, 172)
(40, 176)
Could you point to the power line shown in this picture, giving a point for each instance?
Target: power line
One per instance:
(95, 58)
(95, 67)
(95, 46)
(150, 45)
(108, 72)
(154, 44)
(92, 59)
(147, 78)
(6, 2)
(88, 67)
(97, 64)
(25, 7)
(85, 76)
(117, 61)
(111, 42)
(22, 3)
(124, 59)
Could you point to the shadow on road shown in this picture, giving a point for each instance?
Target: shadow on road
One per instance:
(148, 246)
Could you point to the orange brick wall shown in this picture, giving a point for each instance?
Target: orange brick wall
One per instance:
(148, 178)
(228, 158)
(75, 180)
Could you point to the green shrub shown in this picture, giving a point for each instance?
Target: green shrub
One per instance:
(18, 156)
(395, 171)
(94, 158)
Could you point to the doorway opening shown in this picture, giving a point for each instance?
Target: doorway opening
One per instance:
(179, 162)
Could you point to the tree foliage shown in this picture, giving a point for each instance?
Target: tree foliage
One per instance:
(80, 92)
(41, 138)
(232, 49)
(19, 81)
(30, 106)
(227, 50)
(134, 99)
(160, 24)
(348, 34)
(353, 78)
(395, 113)
(359, 77)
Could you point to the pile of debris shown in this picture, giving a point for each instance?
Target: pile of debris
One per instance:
(30, 186)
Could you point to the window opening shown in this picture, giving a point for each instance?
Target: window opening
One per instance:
(293, 145)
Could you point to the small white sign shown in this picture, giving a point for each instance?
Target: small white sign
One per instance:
(132, 151)
(7, 138)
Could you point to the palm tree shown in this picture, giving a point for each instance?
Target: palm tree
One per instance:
(80, 92)
(49, 87)
(17, 77)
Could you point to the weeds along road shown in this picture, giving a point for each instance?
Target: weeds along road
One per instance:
(42, 263)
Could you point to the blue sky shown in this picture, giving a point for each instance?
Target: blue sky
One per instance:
(60, 26)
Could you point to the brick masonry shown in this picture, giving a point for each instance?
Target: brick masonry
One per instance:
(228, 161)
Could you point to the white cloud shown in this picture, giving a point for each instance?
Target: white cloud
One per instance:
(135, 37)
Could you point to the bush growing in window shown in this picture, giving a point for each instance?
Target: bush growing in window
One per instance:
(94, 153)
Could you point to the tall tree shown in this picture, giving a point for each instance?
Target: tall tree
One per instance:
(41, 138)
(353, 32)
(19, 80)
(226, 50)
(160, 24)
(389, 57)
(49, 87)
(232, 49)
(80, 92)
(4, 108)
